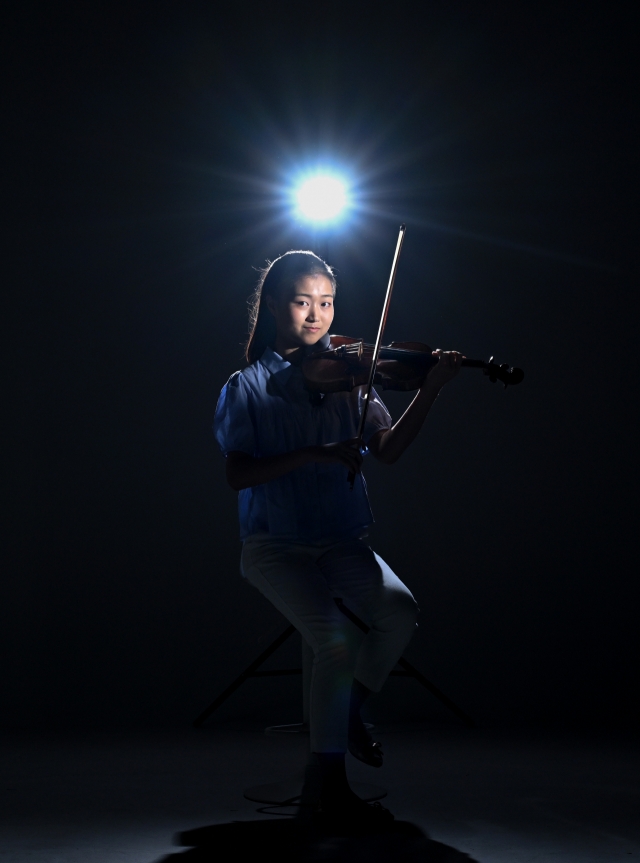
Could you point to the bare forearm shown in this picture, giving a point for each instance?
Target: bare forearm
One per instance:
(244, 471)
(388, 446)
(392, 443)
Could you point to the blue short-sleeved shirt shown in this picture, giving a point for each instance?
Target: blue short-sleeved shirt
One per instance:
(265, 410)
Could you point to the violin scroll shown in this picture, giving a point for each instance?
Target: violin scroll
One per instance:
(508, 376)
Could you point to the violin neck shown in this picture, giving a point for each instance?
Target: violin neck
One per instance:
(388, 353)
(475, 364)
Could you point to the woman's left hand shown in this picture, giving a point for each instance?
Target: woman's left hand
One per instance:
(447, 367)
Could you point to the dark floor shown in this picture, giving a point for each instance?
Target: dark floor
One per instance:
(499, 798)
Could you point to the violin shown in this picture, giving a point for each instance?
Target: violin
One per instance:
(347, 363)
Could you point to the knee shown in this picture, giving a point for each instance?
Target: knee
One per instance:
(403, 610)
(410, 611)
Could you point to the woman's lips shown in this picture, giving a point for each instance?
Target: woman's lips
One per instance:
(312, 329)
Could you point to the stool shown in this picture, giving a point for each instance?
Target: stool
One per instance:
(287, 792)
(252, 670)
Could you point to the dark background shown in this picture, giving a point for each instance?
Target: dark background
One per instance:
(152, 150)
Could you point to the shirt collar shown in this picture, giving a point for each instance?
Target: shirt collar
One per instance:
(274, 363)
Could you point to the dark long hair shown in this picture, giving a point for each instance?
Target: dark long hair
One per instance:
(278, 276)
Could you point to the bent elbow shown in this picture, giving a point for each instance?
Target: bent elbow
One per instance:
(234, 480)
(390, 459)
(385, 457)
(239, 469)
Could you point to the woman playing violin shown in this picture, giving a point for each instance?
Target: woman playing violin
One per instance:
(303, 528)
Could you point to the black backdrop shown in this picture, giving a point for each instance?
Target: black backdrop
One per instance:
(151, 148)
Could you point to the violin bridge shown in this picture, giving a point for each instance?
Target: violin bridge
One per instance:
(352, 351)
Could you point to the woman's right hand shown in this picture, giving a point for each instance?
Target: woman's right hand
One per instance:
(344, 452)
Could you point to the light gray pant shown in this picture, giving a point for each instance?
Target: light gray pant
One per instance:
(302, 582)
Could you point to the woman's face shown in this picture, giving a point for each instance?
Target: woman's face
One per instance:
(304, 315)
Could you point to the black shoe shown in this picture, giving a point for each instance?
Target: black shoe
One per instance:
(370, 753)
(363, 747)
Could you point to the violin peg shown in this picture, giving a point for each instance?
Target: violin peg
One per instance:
(490, 370)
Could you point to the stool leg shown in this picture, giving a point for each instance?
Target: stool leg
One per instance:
(246, 674)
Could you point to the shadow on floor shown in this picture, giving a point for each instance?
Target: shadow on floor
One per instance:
(282, 840)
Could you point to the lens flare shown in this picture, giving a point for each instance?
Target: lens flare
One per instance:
(321, 198)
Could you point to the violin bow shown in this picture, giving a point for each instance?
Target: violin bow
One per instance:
(376, 350)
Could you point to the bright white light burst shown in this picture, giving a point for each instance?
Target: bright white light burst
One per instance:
(321, 198)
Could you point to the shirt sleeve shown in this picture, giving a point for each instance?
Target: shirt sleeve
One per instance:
(233, 425)
(378, 417)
